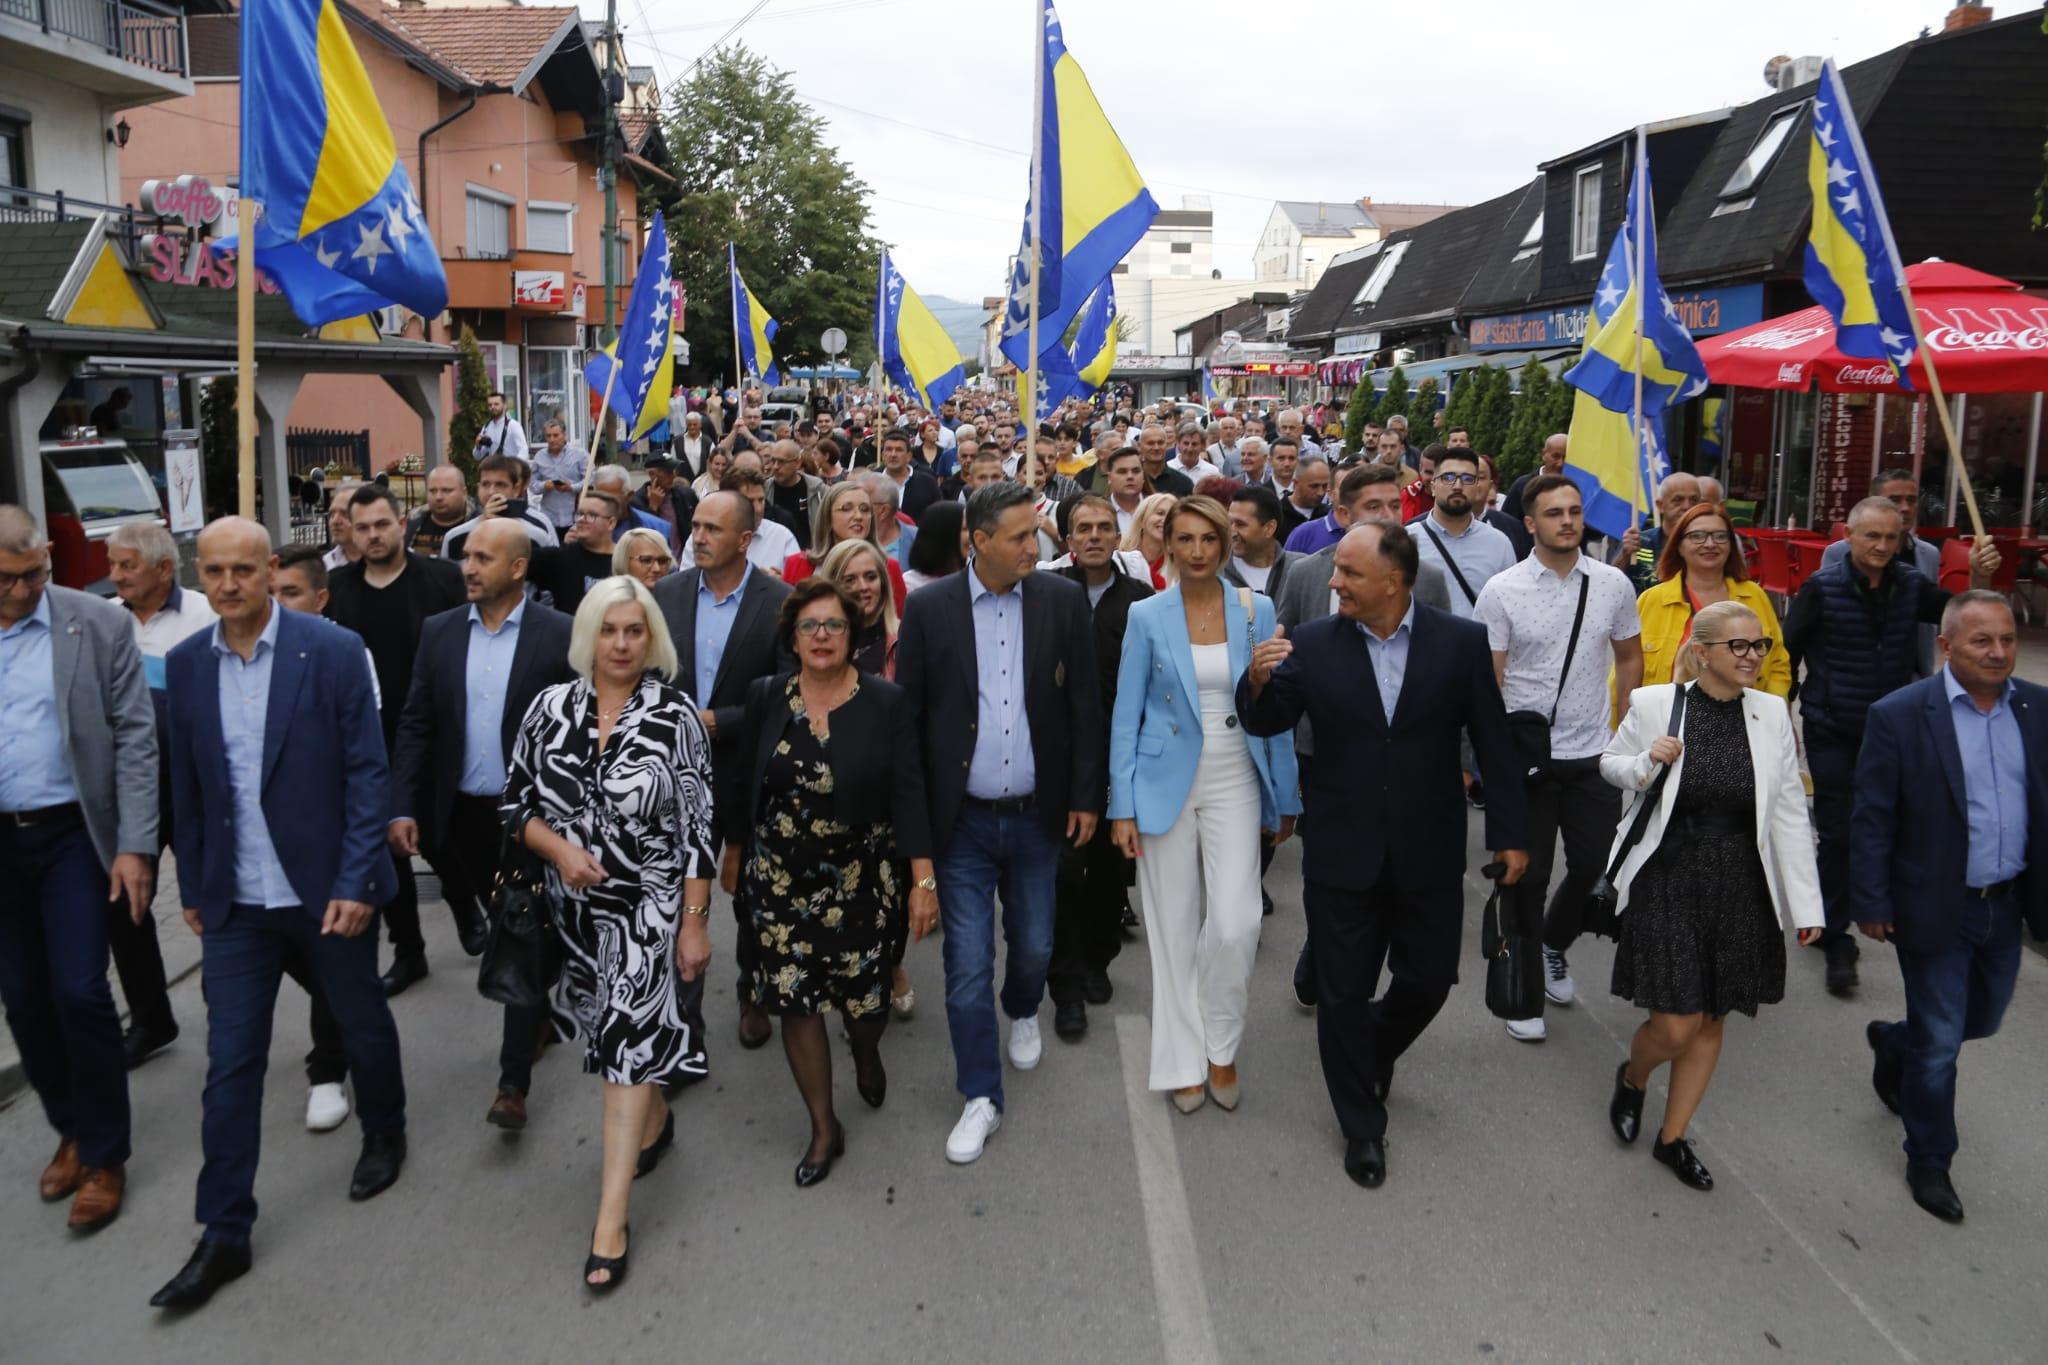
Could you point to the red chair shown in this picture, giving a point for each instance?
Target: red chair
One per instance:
(1802, 560)
(1770, 564)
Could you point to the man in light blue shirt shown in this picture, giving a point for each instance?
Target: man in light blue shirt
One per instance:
(558, 470)
(1002, 768)
(1994, 780)
(1451, 537)
(715, 615)
(486, 672)
(1390, 659)
(34, 771)
(244, 710)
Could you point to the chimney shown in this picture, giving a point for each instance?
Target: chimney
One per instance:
(1966, 14)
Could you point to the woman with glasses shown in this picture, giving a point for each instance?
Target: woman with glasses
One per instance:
(644, 555)
(1725, 862)
(844, 513)
(1699, 566)
(830, 809)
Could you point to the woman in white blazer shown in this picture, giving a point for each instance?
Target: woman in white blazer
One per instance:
(1190, 797)
(1725, 863)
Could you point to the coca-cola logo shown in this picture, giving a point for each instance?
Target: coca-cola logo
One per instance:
(1792, 374)
(1951, 337)
(1868, 376)
(189, 199)
(1788, 336)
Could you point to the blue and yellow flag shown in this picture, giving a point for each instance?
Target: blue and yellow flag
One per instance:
(916, 351)
(1852, 264)
(1094, 352)
(640, 389)
(1616, 472)
(341, 231)
(1094, 208)
(752, 328)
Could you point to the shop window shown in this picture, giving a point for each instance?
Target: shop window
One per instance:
(551, 227)
(490, 225)
(1586, 213)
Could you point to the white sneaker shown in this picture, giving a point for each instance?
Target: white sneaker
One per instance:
(1557, 979)
(1025, 1044)
(1527, 1030)
(970, 1134)
(326, 1107)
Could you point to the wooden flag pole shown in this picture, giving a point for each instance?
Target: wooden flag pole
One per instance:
(1948, 421)
(245, 356)
(1030, 405)
(611, 376)
(1642, 284)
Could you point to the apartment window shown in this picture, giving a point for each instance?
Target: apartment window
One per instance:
(13, 152)
(1181, 248)
(551, 227)
(1121, 268)
(1586, 213)
(1742, 184)
(490, 225)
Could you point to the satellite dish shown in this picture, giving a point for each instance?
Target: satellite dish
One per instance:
(1773, 68)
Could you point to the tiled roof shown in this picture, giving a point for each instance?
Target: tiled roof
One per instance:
(492, 44)
(636, 126)
(36, 255)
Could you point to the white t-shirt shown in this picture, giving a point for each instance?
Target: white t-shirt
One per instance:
(1254, 577)
(771, 547)
(1527, 611)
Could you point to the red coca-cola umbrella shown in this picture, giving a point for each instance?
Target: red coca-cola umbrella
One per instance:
(1986, 334)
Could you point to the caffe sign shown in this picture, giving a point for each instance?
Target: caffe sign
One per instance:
(190, 199)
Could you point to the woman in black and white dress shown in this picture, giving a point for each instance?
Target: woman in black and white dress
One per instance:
(610, 784)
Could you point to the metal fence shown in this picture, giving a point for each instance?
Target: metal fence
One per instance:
(139, 31)
(310, 448)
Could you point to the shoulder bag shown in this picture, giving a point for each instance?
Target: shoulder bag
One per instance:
(1459, 574)
(1514, 957)
(1531, 729)
(523, 953)
(1599, 916)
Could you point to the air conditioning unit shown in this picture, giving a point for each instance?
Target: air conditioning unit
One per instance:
(1404, 355)
(1782, 73)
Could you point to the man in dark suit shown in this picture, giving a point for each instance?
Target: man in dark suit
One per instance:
(385, 597)
(282, 795)
(479, 669)
(1000, 666)
(1951, 814)
(721, 615)
(1092, 891)
(1388, 683)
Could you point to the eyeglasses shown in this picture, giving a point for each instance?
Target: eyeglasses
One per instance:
(648, 561)
(1457, 478)
(831, 627)
(593, 516)
(1742, 649)
(1707, 537)
(34, 578)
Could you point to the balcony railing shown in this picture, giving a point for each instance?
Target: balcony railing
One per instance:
(34, 206)
(135, 30)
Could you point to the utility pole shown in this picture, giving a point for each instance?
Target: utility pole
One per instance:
(608, 176)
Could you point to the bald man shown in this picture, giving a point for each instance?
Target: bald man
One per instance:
(1637, 553)
(1552, 458)
(447, 508)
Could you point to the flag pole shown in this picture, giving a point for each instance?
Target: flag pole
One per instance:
(604, 404)
(245, 355)
(739, 361)
(1030, 404)
(1948, 421)
(1642, 283)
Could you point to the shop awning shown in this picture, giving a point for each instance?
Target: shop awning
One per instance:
(1346, 370)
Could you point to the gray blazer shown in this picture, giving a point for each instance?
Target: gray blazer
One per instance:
(1305, 596)
(108, 721)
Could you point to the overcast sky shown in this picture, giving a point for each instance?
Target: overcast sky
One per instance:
(1452, 101)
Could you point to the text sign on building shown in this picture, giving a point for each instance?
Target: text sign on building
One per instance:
(1292, 369)
(192, 261)
(189, 199)
(539, 288)
(1704, 312)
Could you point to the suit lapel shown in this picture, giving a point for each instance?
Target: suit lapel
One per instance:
(1763, 758)
(752, 604)
(685, 628)
(64, 648)
(1182, 645)
(1941, 728)
(287, 672)
(970, 668)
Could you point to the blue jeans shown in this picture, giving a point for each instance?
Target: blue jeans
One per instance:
(53, 977)
(1951, 997)
(243, 958)
(988, 852)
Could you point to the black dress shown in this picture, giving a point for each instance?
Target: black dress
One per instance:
(827, 897)
(1698, 934)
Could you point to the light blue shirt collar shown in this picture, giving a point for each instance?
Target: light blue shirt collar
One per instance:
(1954, 687)
(268, 637)
(511, 621)
(40, 616)
(704, 585)
(976, 589)
(1407, 626)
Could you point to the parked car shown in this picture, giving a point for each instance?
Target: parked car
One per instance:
(92, 484)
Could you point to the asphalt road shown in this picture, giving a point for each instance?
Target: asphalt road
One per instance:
(1098, 1226)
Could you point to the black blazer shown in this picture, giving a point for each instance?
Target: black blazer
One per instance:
(431, 585)
(1909, 837)
(1383, 793)
(1062, 696)
(751, 651)
(1112, 614)
(426, 759)
(876, 769)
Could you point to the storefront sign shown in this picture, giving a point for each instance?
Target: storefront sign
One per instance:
(189, 260)
(1844, 456)
(189, 199)
(1356, 343)
(1286, 369)
(539, 288)
(182, 481)
(1703, 311)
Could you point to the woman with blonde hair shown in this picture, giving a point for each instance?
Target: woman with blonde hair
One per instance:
(713, 477)
(1709, 872)
(863, 570)
(610, 786)
(1147, 536)
(642, 554)
(842, 512)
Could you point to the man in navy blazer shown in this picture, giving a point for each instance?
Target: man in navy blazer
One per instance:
(1951, 812)
(1388, 683)
(282, 795)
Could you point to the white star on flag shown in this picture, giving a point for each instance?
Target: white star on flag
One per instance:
(400, 228)
(372, 245)
(1609, 294)
(1838, 174)
(1824, 133)
(323, 255)
(1852, 202)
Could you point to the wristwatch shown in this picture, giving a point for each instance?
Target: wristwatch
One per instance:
(927, 883)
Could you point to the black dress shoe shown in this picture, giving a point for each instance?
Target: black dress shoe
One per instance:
(613, 1266)
(1383, 1083)
(1935, 1192)
(1304, 979)
(1841, 978)
(144, 1041)
(1625, 1110)
(1070, 1019)
(212, 1265)
(809, 1173)
(407, 971)
(474, 934)
(755, 1030)
(653, 1152)
(1475, 795)
(1684, 1163)
(1095, 986)
(1887, 1069)
(377, 1168)
(1365, 1161)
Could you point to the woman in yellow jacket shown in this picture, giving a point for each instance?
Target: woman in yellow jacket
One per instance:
(1698, 566)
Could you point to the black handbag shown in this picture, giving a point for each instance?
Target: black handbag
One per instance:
(1599, 915)
(1531, 729)
(523, 955)
(1514, 957)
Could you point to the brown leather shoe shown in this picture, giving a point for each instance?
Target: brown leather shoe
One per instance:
(755, 1028)
(61, 1176)
(99, 1198)
(508, 1111)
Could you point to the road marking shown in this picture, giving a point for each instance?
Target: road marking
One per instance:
(1724, 1159)
(1177, 1288)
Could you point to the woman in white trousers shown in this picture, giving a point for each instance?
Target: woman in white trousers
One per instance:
(1190, 797)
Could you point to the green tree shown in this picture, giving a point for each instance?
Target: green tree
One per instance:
(1395, 400)
(220, 446)
(472, 404)
(1493, 410)
(1526, 433)
(1422, 428)
(756, 170)
(1563, 397)
(1358, 412)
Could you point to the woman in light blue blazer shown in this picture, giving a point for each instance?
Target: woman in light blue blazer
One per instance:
(1190, 797)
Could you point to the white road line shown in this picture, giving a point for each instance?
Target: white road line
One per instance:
(1725, 1160)
(1177, 1287)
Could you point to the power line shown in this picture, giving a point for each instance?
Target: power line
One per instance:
(724, 38)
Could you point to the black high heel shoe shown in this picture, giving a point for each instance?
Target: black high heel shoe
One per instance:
(1684, 1163)
(1625, 1110)
(653, 1152)
(870, 1080)
(809, 1173)
(613, 1266)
